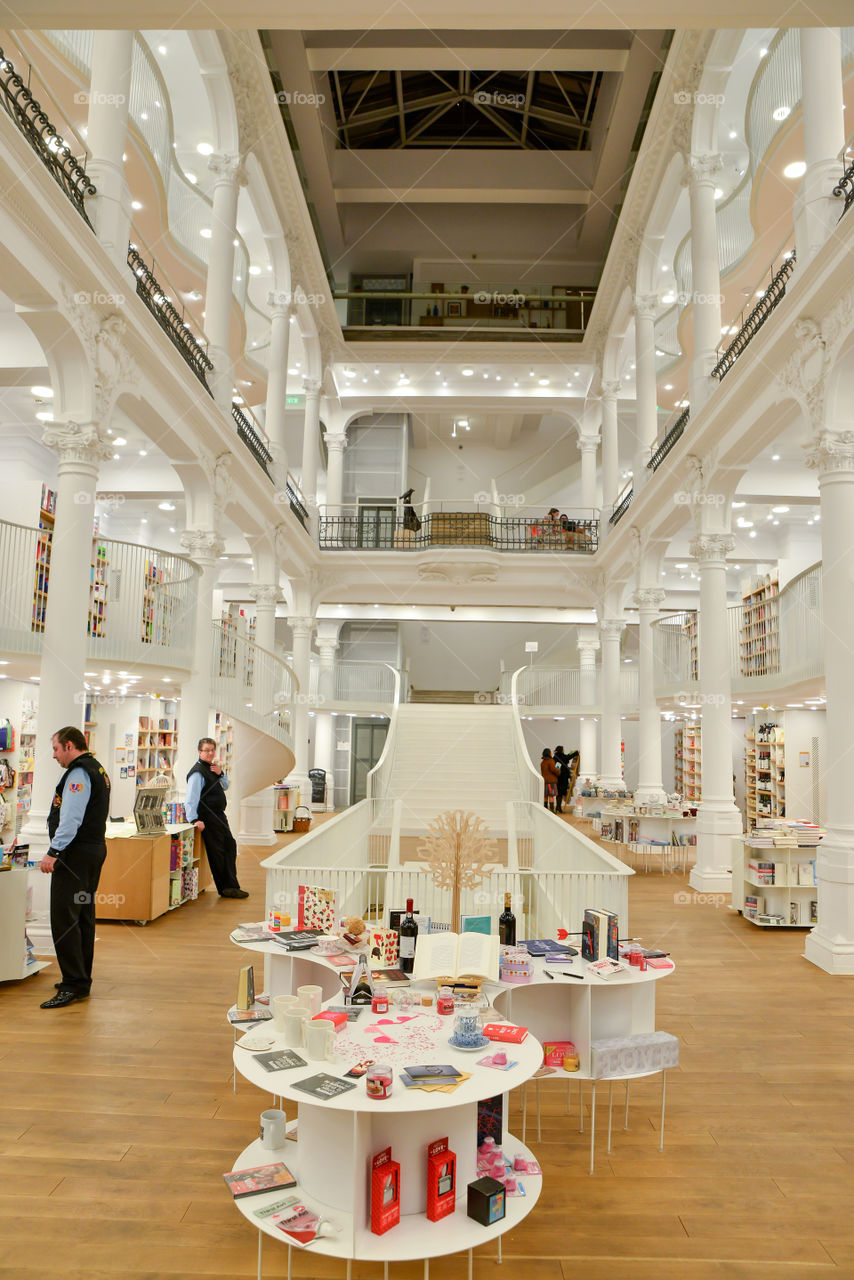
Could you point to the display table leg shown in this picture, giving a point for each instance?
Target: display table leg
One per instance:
(500, 1259)
(569, 1097)
(290, 1259)
(539, 1120)
(471, 1263)
(234, 1065)
(592, 1120)
(663, 1100)
(610, 1102)
(385, 1270)
(524, 1111)
(349, 1268)
(260, 1251)
(426, 1269)
(626, 1119)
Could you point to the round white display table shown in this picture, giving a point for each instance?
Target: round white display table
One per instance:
(284, 971)
(338, 1138)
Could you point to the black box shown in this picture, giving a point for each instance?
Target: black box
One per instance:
(486, 1201)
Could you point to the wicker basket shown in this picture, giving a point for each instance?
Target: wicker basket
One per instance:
(301, 825)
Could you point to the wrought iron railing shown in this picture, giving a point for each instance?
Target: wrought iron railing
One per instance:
(622, 507)
(668, 440)
(296, 505)
(53, 151)
(347, 532)
(170, 319)
(252, 438)
(845, 189)
(770, 299)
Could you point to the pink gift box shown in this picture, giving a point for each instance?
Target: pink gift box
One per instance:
(338, 1020)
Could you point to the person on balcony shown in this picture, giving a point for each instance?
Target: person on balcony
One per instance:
(410, 516)
(205, 808)
(550, 773)
(561, 760)
(77, 824)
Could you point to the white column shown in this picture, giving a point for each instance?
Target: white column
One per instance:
(336, 443)
(283, 311)
(611, 771)
(229, 176)
(106, 137)
(588, 446)
(311, 443)
(301, 628)
(718, 819)
(830, 945)
(327, 647)
(588, 646)
(204, 547)
(816, 210)
(266, 597)
(646, 395)
(610, 446)
(701, 173)
(650, 789)
(324, 752)
(62, 695)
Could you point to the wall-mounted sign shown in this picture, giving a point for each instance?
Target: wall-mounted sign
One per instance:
(804, 759)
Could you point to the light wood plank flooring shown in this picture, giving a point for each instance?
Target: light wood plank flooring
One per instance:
(118, 1118)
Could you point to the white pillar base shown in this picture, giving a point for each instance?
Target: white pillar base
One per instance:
(710, 879)
(256, 819)
(830, 954)
(650, 795)
(715, 850)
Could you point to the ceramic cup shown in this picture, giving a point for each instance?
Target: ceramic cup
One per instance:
(318, 1039)
(294, 1022)
(311, 997)
(273, 1128)
(280, 1005)
(328, 946)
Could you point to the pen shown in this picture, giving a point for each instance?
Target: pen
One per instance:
(579, 976)
(548, 975)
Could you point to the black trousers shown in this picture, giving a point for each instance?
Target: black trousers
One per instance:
(221, 848)
(73, 885)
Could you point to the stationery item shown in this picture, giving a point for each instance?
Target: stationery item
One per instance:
(385, 1192)
(391, 977)
(383, 945)
(323, 1086)
(440, 1085)
(274, 1125)
(486, 1201)
(549, 975)
(546, 947)
(243, 1017)
(278, 1206)
(245, 988)
(251, 933)
(352, 1012)
(608, 968)
(311, 997)
(475, 924)
(315, 908)
(379, 1079)
(498, 1060)
(505, 1032)
(453, 955)
(441, 1180)
(319, 1040)
(565, 974)
(359, 1069)
(281, 1005)
(554, 1051)
(280, 1060)
(300, 1225)
(264, 1177)
(433, 1072)
(256, 1040)
(490, 1120)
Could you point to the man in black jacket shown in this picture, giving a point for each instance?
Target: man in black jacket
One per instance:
(77, 823)
(204, 806)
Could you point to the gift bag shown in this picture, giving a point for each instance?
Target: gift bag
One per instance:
(386, 942)
(315, 908)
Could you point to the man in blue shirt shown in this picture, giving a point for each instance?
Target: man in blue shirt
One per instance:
(77, 823)
(204, 806)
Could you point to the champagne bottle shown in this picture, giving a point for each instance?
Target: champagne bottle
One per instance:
(361, 985)
(507, 925)
(407, 933)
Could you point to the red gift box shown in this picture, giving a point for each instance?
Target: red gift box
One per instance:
(337, 1019)
(385, 1192)
(441, 1180)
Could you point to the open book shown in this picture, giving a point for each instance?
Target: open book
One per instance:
(456, 955)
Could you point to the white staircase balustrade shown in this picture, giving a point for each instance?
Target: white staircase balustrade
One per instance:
(355, 684)
(799, 604)
(250, 684)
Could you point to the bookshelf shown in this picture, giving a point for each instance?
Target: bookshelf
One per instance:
(98, 586)
(157, 741)
(692, 762)
(777, 886)
(224, 735)
(47, 515)
(16, 953)
(764, 773)
(157, 606)
(26, 761)
(691, 630)
(759, 637)
(147, 874)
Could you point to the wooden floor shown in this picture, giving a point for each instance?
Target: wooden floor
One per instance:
(118, 1118)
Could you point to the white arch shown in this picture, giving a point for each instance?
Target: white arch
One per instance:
(212, 64)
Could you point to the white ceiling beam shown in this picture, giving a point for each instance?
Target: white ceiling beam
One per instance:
(362, 56)
(460, 195)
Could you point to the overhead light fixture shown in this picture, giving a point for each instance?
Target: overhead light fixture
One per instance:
(544, 382)
(462, 422)
(166, 506)
(191, 177)
(779, 511)
(732, 133)
(119, 440)
(781, 113)
(204, 149)
(775, 457)
(161, 48)
(254, 271)
(796, 169)
(42, 393)
(45, 416)
(206, 233)
(467, 373)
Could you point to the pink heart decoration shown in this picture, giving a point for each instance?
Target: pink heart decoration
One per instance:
(384, 1040)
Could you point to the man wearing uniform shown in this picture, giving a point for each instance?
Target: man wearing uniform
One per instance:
(205, 808)
(76, 823)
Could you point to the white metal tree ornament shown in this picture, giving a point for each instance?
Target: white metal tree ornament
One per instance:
(458, 851)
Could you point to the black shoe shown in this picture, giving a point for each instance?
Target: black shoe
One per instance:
(234, 893)
(62, 998)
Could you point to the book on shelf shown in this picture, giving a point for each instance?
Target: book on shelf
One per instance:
(264, 1177)
(456, 955)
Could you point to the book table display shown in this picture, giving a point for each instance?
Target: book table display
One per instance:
(339, 1136)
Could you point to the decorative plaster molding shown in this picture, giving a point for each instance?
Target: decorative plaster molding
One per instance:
(228, 169)
(611, 390)
(612, 628)
(312, 386)
(281, 302)
(336, 441)
(645, 305)
(649, 598)
(218, 473)
(701, 169)
(203, 546)
(266, 595)
(301, 625)
(438, 571)
(710, 548)
(831, 452)
(77, 442)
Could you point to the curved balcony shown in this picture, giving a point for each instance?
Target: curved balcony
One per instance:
(387, 527)
(354, 686)
(142, 601)
(251, 684)
(550, 691)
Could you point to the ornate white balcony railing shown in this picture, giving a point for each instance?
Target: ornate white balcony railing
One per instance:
(364, 684)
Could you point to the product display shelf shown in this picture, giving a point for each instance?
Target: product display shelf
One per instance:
(357, 1127)
(790, 899)
(759, 637)
(158, 606)
(679, 761)
(692, 765)
(47, 512)
(98, 589)
(224, 735)
(137, 878)
(16, 958)
(750, 780)
(157, 742)
(769, 773)
(285, 802)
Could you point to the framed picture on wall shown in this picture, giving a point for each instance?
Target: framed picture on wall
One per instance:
(454, 310)
(130, 757)
(120, 755)
(128, 739)
(123, 773)
(131, 771)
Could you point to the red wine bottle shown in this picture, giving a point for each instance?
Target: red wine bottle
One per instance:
(407, 933)
(507, 925)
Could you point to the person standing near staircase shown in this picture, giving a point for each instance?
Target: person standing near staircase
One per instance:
(204, 806)
(550, 774)
(561, 760)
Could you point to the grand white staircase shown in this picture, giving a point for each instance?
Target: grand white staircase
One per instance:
(453, 757)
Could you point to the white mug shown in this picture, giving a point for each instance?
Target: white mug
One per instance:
(312, 997)
(280, 1005)
(273, 1128)
(318, 1038)
(294, 1019)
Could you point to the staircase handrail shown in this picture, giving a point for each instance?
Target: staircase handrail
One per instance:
(377, 780)
(531, 783)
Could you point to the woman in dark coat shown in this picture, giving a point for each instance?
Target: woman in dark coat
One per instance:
(550, 774)
(562, 759)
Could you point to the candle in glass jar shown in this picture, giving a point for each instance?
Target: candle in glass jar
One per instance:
(378, 1080)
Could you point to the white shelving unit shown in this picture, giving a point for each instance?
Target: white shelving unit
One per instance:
(16, 961)
(784, 894)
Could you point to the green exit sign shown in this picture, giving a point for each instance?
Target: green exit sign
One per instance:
(298, 400)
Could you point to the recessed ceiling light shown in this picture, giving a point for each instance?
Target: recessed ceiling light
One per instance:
(775, 457)
(166, 506)
(119, 440)
(206, 233)
(796, 169)
(42, 393)
(467, 373)
(668, 386)
(161, 48)
(254, 271)
(752, 533)
(544, 382)
(191, 177)
(136, 204)
(780, 113)
(779, 511)
(718, 192)
(762, 52)
(171, 530)
(45, 416)
(732, 133)
(204, 149)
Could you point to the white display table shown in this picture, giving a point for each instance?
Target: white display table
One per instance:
(343, 1134)
(284, 971)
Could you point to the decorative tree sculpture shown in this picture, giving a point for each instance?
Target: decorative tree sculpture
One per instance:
(458, 850)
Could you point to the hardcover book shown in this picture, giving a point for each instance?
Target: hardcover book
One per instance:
(323, 1086)
(280, 1060)
(456, 955)
(239, 1017)
(433, 1072)
(264, 1177)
